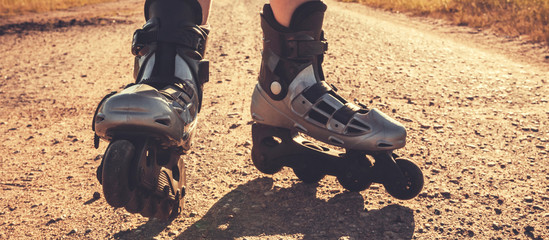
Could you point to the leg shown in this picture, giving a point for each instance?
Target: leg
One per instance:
(205, 4)
(284, 9)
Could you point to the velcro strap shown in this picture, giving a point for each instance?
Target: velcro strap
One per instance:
(188, 38)
(179, 92)
(344, 114)
(304, 48)
(313, 93)
(141, 36)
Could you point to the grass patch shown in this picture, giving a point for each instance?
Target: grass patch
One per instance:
(15, 7)
(508, 17)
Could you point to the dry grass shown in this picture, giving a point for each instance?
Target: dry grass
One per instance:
(14, 7)
(509, 17)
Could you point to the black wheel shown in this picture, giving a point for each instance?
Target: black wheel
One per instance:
(116, 172)
(307, 171)
(354, 181)
(355, 175)
(165, 208)
(309, 175)
(135, 204)
(414, 181)
(264, 165)
(150, 205)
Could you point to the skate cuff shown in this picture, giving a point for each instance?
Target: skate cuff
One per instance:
(191, 37)
(292, 45)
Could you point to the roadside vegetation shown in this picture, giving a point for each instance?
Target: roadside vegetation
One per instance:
(513, 18)
(14, 7)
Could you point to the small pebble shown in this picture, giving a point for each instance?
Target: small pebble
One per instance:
(73, 231)
(470, 233)
(96, 195)
(538, 207)
(445, 193)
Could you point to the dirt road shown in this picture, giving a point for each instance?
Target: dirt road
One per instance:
(475, 106)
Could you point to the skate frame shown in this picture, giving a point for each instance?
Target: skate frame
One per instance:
(275, 147)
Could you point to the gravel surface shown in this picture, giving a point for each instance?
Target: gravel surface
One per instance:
(475, 106)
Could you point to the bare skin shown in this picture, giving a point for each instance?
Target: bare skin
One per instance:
(205, 4)
(282, 9)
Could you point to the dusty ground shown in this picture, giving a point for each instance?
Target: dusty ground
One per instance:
(475, 106)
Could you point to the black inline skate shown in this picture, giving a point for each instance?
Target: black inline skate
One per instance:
(292, 98)
(150, 124)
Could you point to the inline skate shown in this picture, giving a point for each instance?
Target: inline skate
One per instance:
(150, 123)
(292, 100)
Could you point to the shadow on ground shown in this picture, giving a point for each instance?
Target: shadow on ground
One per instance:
(256, 209)
(53, 24)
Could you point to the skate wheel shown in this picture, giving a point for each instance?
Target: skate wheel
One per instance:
(354, 182)
(164, 210)
(308, 172)
(135, 204)
(309, 175)
(150, 204)
(115, 176)
(414, 181)
(264, 165)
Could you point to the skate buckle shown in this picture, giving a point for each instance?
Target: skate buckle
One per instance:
(138, 42)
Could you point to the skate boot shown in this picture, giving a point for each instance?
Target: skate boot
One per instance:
(151, 123)
(292, 99)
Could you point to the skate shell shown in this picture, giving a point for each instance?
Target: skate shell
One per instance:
(385, 134)
(142, 109)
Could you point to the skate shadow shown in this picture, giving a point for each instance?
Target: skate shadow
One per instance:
(256, 209)
(149, 230)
